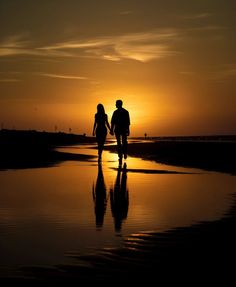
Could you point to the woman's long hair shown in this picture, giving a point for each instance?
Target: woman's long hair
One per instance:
(100, 109)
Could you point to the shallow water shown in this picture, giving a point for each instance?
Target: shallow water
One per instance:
(47, 213)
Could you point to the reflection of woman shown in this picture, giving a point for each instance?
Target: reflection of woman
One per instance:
(100, 198)
(100, 128)
(119, 198)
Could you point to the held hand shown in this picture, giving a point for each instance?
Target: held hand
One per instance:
(111, 133)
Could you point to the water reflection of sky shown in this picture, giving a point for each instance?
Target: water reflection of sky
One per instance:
(47, 212)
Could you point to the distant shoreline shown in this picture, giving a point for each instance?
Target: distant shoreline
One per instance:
(218, 137)
(32, 149)
(191, 138)
(29, 149)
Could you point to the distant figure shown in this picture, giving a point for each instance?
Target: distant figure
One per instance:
(119, 198)
(99, 198)
(100, 128)
(120, 123)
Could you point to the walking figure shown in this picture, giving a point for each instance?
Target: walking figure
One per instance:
(100, 198)
(119, 198)
(100, 128)
(120, 124)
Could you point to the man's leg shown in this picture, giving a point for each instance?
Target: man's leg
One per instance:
(119, 147)
(124, 145)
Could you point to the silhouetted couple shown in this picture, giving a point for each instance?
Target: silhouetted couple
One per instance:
(120, 123)
(119, 198)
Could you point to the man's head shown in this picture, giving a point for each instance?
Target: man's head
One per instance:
(119, 104)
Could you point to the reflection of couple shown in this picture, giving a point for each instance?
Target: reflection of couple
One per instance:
(120, 123)
(119, 198)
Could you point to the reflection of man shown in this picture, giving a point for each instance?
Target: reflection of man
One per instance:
(120, 123)
(119, 198)
(100, 198)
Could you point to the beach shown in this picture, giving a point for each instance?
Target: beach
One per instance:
(204, 251)
(32, 149)
(208, 154)
(21, 149)
(117, 142)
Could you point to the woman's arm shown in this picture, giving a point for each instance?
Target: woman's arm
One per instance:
(94, 125)
(107, 123)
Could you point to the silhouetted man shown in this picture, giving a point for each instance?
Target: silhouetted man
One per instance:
(120, 123)
(119, 198)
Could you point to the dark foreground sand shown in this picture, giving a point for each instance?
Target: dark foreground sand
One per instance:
(32, 149)
(200, 254)
(209, 155)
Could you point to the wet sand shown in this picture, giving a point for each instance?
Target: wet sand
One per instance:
(29, 149)
(32, 149)
(208, 155)
(205, 251)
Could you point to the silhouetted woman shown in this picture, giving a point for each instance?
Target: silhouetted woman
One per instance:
(100, 128)
(100, 198)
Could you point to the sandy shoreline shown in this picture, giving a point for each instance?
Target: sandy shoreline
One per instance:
(213, 156)
(29, 149)
(218, 157)
(204, 251)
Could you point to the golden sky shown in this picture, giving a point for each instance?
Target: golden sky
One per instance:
(172, 62)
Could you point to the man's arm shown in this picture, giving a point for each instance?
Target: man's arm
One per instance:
(128, 124)
(112, 125)
(107, 123)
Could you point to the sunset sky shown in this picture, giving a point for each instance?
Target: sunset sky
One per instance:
(172, 62)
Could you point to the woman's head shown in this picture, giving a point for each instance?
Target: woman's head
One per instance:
(100, 109)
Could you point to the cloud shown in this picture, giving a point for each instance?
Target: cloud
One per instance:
(15, 41)
(224, 72)
(128, 12)
(9, 77)
(143, 47)
(13, 45)
(18, 45)
(197, 16)
(9, 80)
(187, 73)
(66, 77)
(12, 76)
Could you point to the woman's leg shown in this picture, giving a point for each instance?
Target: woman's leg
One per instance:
(100, 141)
